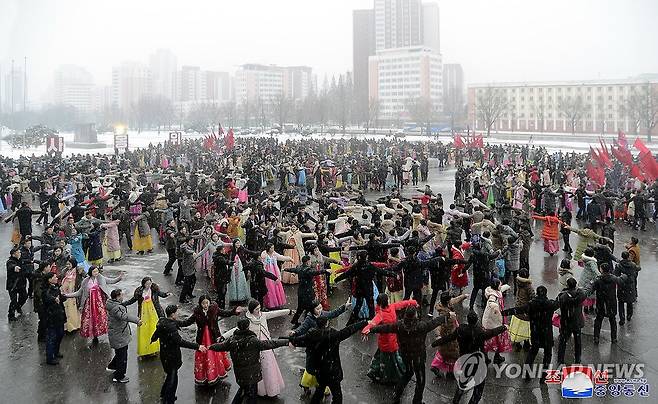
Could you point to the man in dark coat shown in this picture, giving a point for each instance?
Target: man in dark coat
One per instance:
(414, 273)
(257, 274)
(24, 216)
(540, 311)
(170, 246)
(55, 317)
(364, 273)
(222, 271)
(626, 291)
(27, 262)
(326, 356)
(170, 355)
(305, 291)
(16, 284)
(471, 337)
(481, 261)
(605, 286)
(411, 333)
(245, 348)
(571, 319)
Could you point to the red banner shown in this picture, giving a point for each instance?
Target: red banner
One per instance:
(596, 174)
(229, 140)
(621, 140)
(459, 142)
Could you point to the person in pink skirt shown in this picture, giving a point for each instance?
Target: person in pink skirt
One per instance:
(93, 293)
(275, 296)
(493, 318)
(447, 354)
(272, 383)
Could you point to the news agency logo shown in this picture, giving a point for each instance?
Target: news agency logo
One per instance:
(578, 381)
(470, 370)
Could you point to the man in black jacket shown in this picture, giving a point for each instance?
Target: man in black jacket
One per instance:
(540, 314)
(326, 356)
(55, 317)
(626, 291)
(411, 333)
(605, 286)
(170, 354)
(170, 246)
(305, 291)
(471, 339)
(481, 262)
(364, 272)
(16, 284)
(571, 319)
(245, 348)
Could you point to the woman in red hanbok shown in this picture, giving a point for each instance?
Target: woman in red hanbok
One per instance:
(209, 366)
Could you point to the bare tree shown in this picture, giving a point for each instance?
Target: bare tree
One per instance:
(421, 110)
(540, 112)
(281, 106)
(600, 116)
(572, 109)
(453, 107)
(491, 104)
(642, 108)
(342, 101)
(245, 112)
(228, 112)
(373, 114)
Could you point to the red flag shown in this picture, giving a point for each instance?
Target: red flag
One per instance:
(649, 166)
(621, 139)
(604, 147)
(595, 156)
(635, 172)
(229, 140)
(622, 155)
(641, 146)
(479, 141)
(596, 174)
(459, 142)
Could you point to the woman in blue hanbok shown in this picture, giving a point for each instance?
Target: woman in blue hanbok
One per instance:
(75, 241)
(238, 288)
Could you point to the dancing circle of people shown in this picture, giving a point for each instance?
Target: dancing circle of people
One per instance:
(326, 216)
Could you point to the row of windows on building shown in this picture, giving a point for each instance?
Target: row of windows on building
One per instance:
(578, 89)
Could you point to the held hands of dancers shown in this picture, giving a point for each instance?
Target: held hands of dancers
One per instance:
(203, 348)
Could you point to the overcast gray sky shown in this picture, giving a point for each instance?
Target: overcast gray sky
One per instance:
(494, 40)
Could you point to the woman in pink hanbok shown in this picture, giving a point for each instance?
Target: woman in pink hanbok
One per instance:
(275, 296)
(493, 318)
(272, 383)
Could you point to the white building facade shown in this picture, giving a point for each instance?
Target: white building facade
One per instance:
(535, 107)
(399, 75)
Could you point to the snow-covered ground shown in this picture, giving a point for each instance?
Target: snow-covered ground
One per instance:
(143, 139)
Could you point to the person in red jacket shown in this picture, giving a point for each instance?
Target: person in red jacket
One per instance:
(550, 232)
(386, 366)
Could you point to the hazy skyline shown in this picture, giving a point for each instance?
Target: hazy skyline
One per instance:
(494, 40)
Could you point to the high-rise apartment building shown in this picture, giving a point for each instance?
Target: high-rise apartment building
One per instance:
(163, 65)
(398, 76)
(363, 42)
(266, 83)
(73, 86)
(130, 82)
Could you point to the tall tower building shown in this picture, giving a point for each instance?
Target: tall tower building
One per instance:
(73, 86)
(398, 23)
(163, 64)
(130, 82)
(363, 42)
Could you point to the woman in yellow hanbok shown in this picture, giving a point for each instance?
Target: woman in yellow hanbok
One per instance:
(149, 311)
(70, 282)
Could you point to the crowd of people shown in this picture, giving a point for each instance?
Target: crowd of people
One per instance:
(326, 216)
